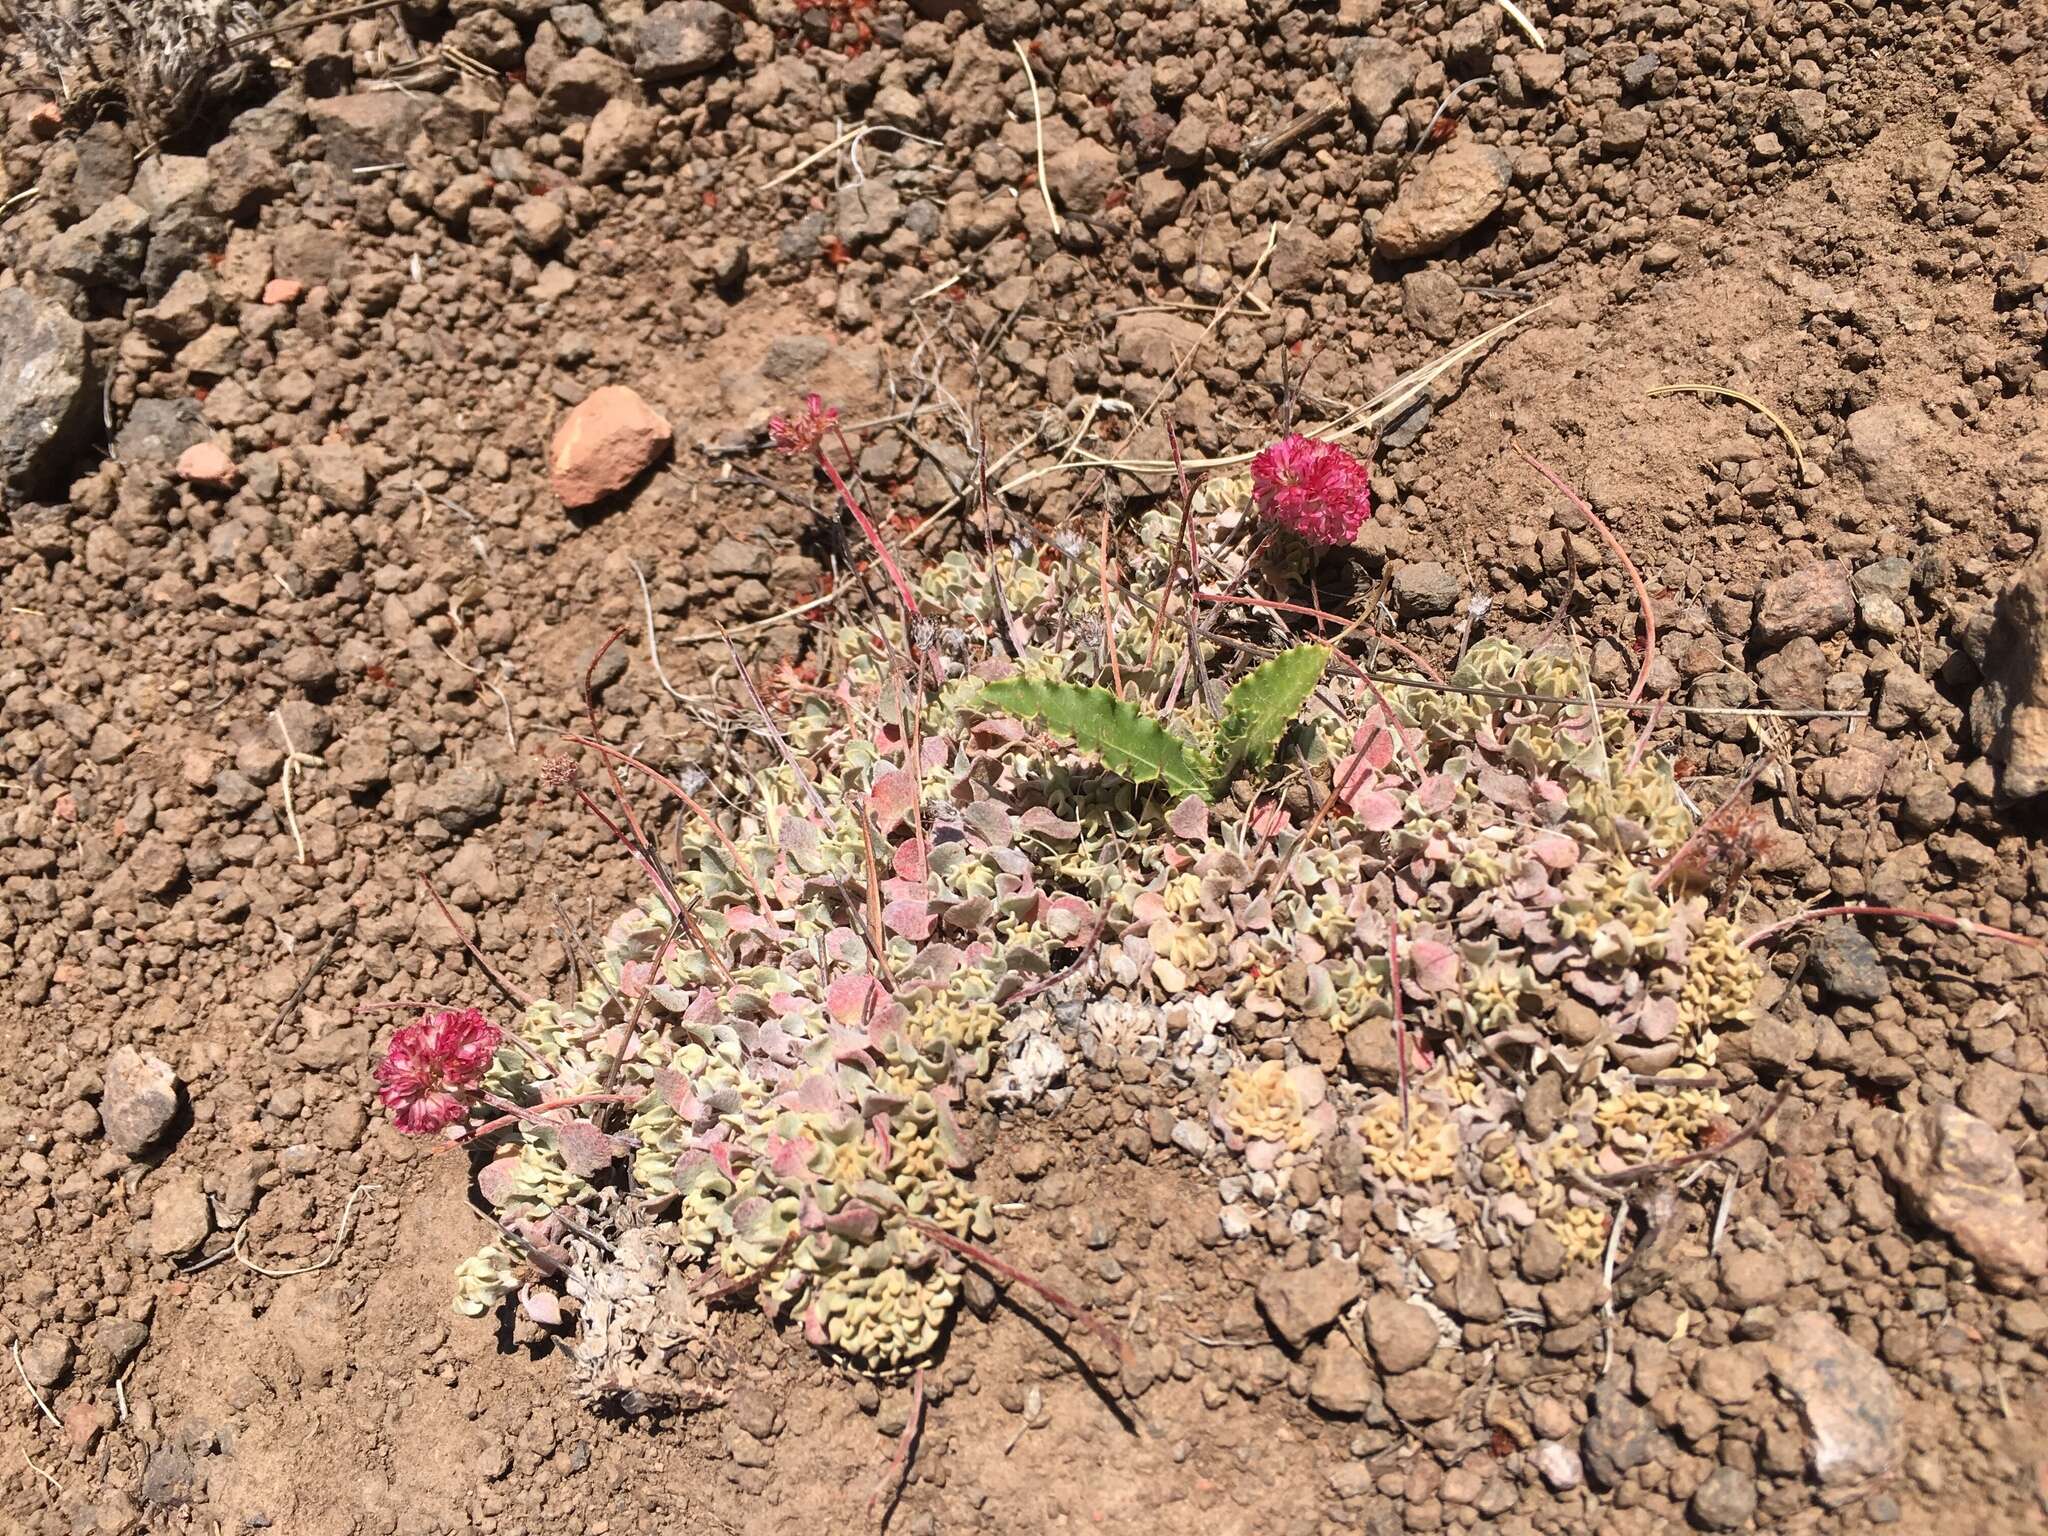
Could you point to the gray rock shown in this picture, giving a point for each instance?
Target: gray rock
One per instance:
(1847, 966)
(1192, 1137)
(1725, 1501)
(251, 164)
(1426, 589)
(1619, 1437)
(1340, 1380)
(120, 1339)
(1433, 303)
(1402, 1335)
(179, 1218)
(46, 398)
(1302, 1303)
(103, 250)
(2010, 711)
(1853, 1410)
(1452, 193)
(139, 1101)
(1880, 447)
(1819, 601)
(159, 429)
(1425, 1396)
(1957, 1173)
(619, 139)
(683, 38)
(368, 128)
(1475, 1294)
(166, 183)
(464, 798)
(1081, 176)
(865, 213)
(337, 476)
(46, 1358)
(1380, 77)
(169, 1478)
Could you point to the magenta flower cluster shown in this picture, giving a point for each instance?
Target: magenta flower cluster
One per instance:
(1313, 489)
(434, 1068)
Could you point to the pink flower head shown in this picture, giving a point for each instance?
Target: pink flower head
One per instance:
(802, 434)
(1312, 489)
(434, 1069)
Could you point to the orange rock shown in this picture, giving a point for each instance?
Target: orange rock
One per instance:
(283, 290)
(207, 464)
(603, 445)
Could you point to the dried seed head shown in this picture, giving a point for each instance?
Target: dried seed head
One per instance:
(560, 772)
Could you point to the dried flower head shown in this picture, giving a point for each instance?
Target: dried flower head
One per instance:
(802, 434)
(560, 772)
(1313, 489)
(434, 1069)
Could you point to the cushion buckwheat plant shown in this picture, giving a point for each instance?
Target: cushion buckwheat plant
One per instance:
(756, 1095)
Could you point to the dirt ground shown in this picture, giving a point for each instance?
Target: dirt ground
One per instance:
(243, 725)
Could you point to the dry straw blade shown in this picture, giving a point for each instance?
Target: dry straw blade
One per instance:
(1751, 401)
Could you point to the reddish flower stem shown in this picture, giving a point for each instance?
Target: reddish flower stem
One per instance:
(732, 851)
(476, 954)
(1635, 577)
(1964, 925)
(982, 1258)
(1400, 1027)
(867, 528)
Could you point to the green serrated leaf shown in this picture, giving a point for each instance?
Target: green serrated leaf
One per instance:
(1258, 710)
(1095, 720)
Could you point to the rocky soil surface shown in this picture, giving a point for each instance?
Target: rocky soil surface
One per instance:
(339, 430)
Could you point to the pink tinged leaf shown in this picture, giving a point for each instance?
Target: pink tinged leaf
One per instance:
(676, 1092)
(847, 999)
(932, 753)
(746, 920)
(911, 918)
(494, 1181)
(1042, 822)
(814, 1327)
(997, 731)
(843, 946)
(585, 1149)
(909, 861)
(892, 799)
(905, 890)
(1504, 789)
(1431, 966)
(1377, 811)
(541, 1305)
(989, 823)
(1435, 793)
(1658, 1021)
(1189, 820)
(1068, 917)
(1554, 850)
(1270, 819)
(1148, 908)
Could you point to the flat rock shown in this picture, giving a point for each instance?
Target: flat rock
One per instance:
(1847, 964)
(1454, 191)
(159, 429)
(1402, 1335)
(139, 1100)
(1081, 176)
(603, 445)
(46, 402)
(105, 249)
(1423, 1397)
(1341, 1380)
(1301, 1303)
(463, 799)
(179, 1218)
(367, 128)
(1818, 602)
(1957, 1173)
(1853, 1410)
(1879, 449)
(683, 38)
(2010, 712)
(1619, 1437)
(1380, 76)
